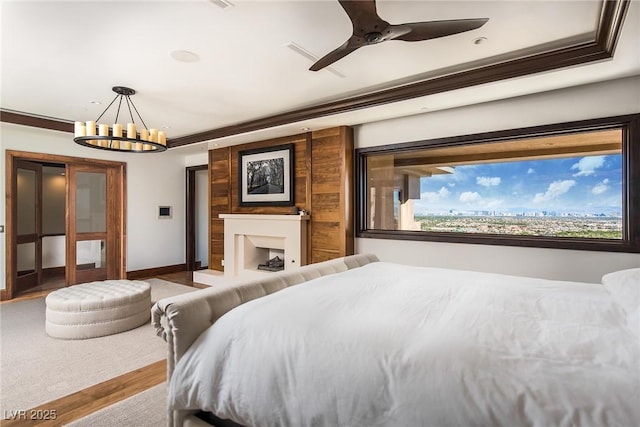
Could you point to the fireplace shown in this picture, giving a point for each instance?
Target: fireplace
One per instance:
(261, 244)
(258, 250)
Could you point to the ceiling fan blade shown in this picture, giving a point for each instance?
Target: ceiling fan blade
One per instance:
(360, 12)
(430, 30)
(347, 47)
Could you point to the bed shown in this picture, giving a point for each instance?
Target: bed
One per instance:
(358, 342)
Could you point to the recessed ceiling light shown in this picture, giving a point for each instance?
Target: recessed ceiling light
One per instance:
(184, 56)
(95, 102)
(305, 129)
(480, 40)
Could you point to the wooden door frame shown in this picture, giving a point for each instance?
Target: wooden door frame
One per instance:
(118, 168)
(191, 214)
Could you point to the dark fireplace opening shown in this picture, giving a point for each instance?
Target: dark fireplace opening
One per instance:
(274, 264)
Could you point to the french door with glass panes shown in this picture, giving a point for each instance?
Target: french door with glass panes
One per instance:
(27, 184)
(94, 224)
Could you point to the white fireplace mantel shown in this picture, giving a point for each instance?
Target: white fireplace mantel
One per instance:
(260, 217)
(250, 239)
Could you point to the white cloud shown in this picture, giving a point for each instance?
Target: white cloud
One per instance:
(555, 189)
(470, 197)
(587, 165)
(601, 187)
(531, 171)
(487, 181)
(434, 196)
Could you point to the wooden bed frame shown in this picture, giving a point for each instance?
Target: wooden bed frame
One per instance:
(181, 319)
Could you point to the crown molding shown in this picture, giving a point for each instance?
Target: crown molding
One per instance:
(24, 119)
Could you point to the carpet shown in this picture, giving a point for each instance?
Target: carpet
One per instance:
(35, 369)
(146, 409)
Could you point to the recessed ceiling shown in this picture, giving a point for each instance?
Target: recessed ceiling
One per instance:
(237, 64)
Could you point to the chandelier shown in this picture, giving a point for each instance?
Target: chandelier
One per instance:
(117, 137)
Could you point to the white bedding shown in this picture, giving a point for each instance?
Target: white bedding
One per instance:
(392, 345)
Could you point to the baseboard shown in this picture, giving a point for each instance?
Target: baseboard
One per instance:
(3, 294)
(156, 271)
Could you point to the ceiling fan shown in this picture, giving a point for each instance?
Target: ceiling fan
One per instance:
(369, 28)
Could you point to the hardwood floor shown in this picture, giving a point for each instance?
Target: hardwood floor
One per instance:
(50, 282)
(84, 402)
(183, 278)
(89, 400)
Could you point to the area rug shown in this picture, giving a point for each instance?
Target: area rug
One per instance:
(146, 409)
(35, 369)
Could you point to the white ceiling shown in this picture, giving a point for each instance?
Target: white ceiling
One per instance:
(60, 59)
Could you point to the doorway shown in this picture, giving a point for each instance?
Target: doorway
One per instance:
(65, 221)
(197, 212)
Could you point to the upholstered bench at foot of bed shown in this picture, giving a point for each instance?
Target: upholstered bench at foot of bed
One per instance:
(97, 309)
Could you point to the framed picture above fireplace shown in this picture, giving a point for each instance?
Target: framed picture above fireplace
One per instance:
(266, 176)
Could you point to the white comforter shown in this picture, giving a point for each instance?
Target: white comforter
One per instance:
(391, 345)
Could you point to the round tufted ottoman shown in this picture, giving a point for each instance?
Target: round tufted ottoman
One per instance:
(98, 308)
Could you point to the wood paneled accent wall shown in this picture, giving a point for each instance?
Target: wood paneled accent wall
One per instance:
(323, 187)
(331, 194)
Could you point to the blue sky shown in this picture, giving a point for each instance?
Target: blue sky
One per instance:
(590, 184)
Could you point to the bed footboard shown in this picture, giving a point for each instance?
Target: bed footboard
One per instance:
(179, 320)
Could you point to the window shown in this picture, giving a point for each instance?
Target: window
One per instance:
(564, 186)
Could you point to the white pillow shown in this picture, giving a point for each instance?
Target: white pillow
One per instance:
(624, 287)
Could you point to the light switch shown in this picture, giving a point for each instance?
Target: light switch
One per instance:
(1, 228)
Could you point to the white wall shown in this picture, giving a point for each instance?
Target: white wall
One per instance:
(613, 98)
(201, 158)
(153, 180)
(53, 251)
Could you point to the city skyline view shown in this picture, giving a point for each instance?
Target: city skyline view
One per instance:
(586, 185)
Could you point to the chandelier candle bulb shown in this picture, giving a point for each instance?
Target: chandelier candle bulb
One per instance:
(126, 145)
(131, 131)
(147, 147)
(144, 134)
(91, 128)
(80, 129)
(117, 129)
(162, 138)
(103, 130)
(153, 135)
